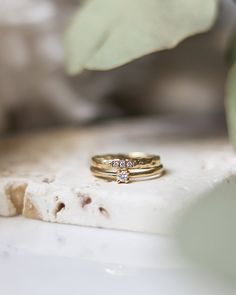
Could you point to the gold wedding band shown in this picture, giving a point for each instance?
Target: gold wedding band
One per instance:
(125, 168)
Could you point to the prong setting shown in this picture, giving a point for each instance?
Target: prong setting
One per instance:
(122, 176)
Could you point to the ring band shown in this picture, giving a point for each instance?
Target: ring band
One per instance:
(131, 160)
(126, 167)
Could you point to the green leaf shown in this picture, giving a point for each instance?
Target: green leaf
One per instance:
(206, 233)
(231, 104)
(105, 34)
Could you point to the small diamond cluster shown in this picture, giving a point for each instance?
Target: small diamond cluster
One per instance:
(122, 164)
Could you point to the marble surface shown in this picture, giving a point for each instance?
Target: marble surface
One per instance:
(40, 258)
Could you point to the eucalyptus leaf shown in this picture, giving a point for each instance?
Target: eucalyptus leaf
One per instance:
(231, 104)
(105, 34)
(206, 233)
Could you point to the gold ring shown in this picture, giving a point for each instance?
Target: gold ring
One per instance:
(126, 167)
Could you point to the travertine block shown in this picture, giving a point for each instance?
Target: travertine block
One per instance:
(48, 175)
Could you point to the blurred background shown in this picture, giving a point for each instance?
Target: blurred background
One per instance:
(36, 92)
(188, 81)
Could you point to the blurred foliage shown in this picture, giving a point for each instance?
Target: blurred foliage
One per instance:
(231, 104)
(105, 34)
(206, 233)
(231, 58)
(231, 97)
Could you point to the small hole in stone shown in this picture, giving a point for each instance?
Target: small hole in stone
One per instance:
(104, 212)
(85, 201)
(48, 180)
(60, 206)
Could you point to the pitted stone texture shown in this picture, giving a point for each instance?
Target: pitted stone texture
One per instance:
(50, 174)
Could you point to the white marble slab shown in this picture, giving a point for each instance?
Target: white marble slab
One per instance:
(41, 258)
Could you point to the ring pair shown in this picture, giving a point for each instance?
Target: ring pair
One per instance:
(125, 168)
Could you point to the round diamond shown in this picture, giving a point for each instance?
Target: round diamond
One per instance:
(122, 176)
(122, 164)
(115, 164)
(129, 164)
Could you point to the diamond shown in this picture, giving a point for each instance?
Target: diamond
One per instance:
(122, 164)
(122, 176)
(129, 164)
(115, 164)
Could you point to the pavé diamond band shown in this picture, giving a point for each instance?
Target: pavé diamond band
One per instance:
(126, 167)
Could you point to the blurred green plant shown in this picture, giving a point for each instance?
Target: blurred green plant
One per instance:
(231, 97)
(206, 233)
(105, 34)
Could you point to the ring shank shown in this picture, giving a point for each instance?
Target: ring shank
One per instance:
(140, 160)
(134, 174)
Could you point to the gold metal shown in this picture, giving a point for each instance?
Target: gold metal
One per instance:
(126, 167)
(139, 160)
